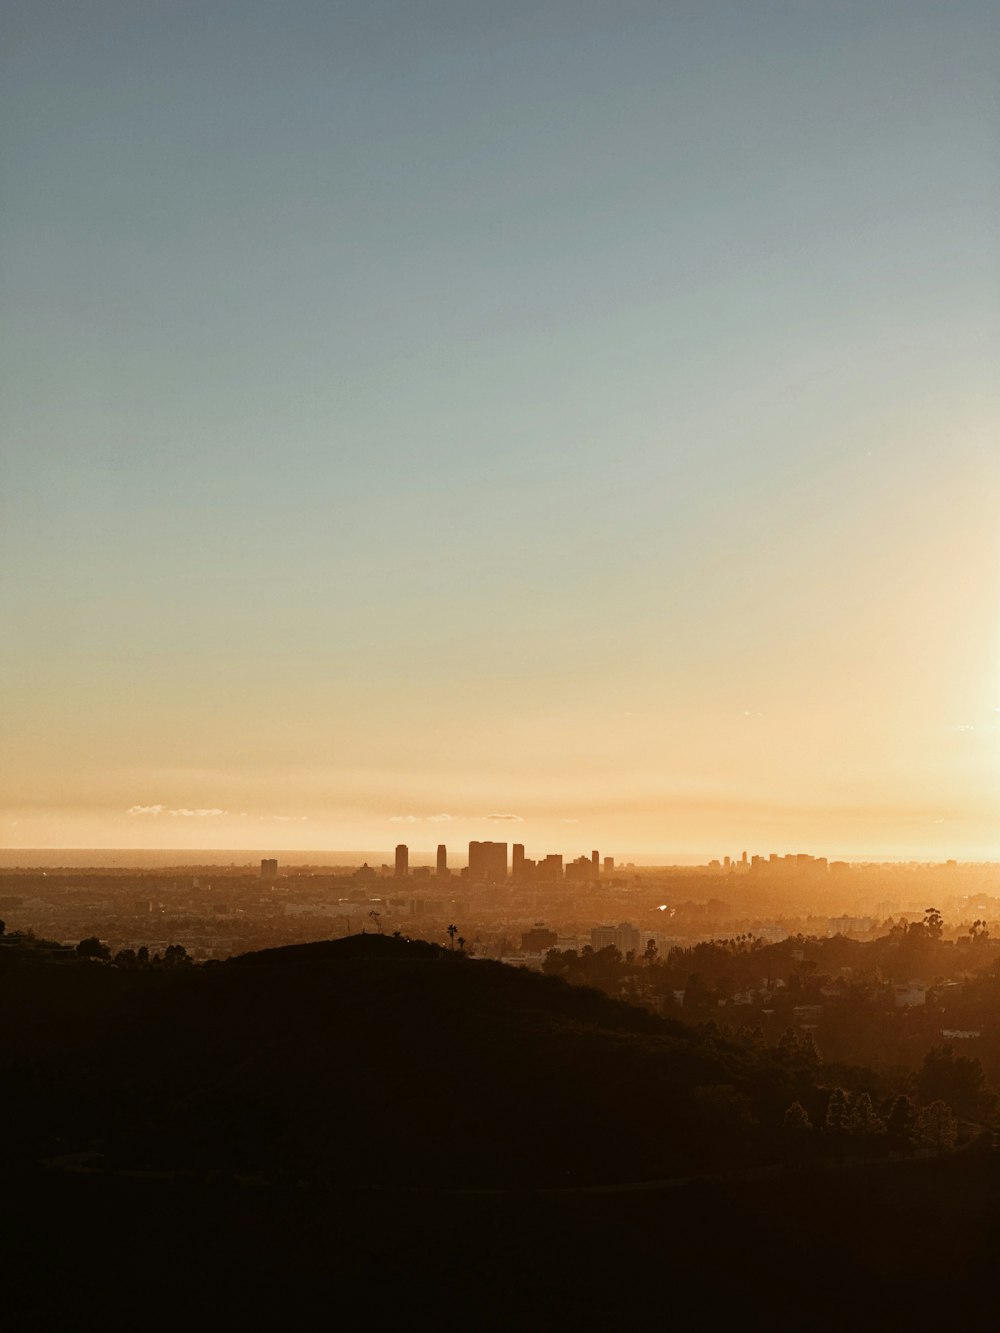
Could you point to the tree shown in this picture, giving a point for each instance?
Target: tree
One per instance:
(461, 943)
(933, 923)
(787, 1049)
(796, 1134)
(452, 932)
(864, 1124)
(956, 1080)
(650, 953)
(696, 993)
(93, 948)
(938, 1127)
(836, 1120)
(901, 1127)
(809, 1056)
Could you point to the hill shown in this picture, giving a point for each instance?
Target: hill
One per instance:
(374, 1060)
(371, 1130)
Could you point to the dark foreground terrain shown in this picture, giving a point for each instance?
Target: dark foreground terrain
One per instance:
(373, 1133)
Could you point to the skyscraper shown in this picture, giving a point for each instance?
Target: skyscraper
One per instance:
(517, 862)
(442, 860)
(402, 861)
(487, 862)
(268, 868)
(595, 861)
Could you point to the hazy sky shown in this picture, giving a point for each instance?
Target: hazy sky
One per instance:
(425, 411)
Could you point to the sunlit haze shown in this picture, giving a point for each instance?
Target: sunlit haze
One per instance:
(570, 424)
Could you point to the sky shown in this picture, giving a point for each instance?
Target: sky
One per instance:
(570, 423)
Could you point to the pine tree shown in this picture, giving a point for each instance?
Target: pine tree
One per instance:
(835, 1122)
(938, 1127)
(901, 1128)
(797, 1119)
(864, 1124)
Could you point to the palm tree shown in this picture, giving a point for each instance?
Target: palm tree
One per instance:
(452, 931)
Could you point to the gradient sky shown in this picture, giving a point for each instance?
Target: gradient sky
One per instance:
(415, 414)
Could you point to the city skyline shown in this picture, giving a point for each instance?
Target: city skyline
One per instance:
(463, 419)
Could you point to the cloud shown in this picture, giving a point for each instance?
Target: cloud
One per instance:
(517, 819)
(571, 821)
(201, 813)
(439, 819)
(404, 819)
(291, 819)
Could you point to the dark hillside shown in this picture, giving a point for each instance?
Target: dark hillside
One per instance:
(369, 1131)
(377, 1060)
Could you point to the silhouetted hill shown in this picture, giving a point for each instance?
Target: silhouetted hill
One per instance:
(357, 1132)
(381, 1061)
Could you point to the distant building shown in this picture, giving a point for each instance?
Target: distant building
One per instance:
(269, 868)
(442, 860)
(517, 862)
(609, 865)
(807, 1015)
(906, 994)
(624, 937)
(402, 861)
(850, 925)
(538, 939)
(487, 862)
(550, 869)
(595, 860)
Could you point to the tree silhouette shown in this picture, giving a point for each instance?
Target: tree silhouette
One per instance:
(956, 1080)
(93, 948)
(864, 1124)
(901, 1127)
(797, 1119)
(933, 923)
(452, 932)
(836, 1120)
(938, 1127)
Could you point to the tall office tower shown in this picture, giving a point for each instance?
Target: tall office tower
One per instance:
(517, 863)
(595, 861)
(744, 858)
(550, 869)
(442, 861)
(269, 868)
(609, 865)
(402, 861)
(487, 862)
